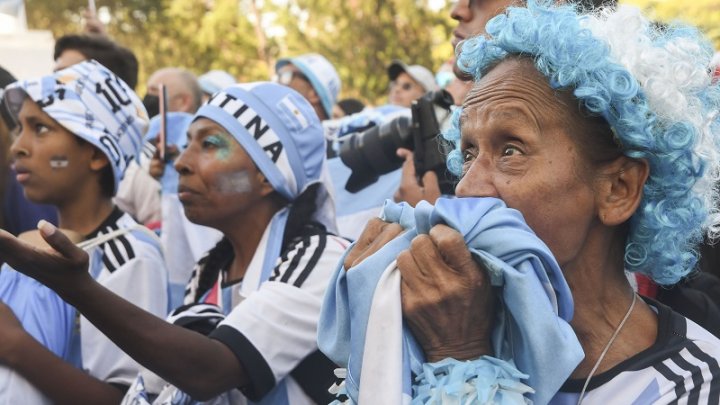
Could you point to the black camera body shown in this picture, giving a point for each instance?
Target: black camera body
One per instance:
(372, 153)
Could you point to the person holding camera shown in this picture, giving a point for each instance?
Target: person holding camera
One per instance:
(409, 83)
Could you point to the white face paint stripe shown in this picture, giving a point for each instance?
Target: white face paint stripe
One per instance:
(234, 182)
(59, 162)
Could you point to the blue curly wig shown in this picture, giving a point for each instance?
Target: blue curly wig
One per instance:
(653, 87)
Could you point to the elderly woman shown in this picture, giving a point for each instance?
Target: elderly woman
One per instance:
(252, 170)
(603, 133)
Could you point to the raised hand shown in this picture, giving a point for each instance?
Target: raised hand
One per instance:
(157, 165)
(447, 298)
(377, 233)
(60, 267)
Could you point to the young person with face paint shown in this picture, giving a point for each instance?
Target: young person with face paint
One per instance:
(78, 129)
(252, 169)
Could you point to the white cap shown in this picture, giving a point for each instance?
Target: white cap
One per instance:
(321, 74)
(419, 73)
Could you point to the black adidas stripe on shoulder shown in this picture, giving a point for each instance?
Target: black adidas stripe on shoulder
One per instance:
(699, 381)
(117, 251)
(299, 261)
(695, 374)
(296, 255)
(677, 380)
(313, 261)
(695, 351)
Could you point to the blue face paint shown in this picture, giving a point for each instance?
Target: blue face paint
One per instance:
(223, 145)
(233, 182)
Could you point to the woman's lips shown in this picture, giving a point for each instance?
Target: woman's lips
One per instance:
(185, 193)
(456, 39)
(22, 175)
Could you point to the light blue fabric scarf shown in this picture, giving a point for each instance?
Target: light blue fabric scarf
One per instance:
(531, 329)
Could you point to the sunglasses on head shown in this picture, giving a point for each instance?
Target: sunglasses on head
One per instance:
(287, 76)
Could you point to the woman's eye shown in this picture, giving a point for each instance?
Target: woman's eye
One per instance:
(41, 128)
(214, 141)
(467, 156)
(510, 150)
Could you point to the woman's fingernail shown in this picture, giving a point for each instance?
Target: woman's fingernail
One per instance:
(46, 228)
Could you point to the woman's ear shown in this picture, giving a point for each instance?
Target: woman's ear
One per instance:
(98, 160)
(265, 187)
(621, 189)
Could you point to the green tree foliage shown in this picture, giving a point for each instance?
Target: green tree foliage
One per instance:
(246, 37)
(705, 14)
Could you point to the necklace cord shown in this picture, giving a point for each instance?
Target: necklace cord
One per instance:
(607, 347)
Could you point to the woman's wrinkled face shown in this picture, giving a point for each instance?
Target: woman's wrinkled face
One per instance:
(50, 162)
(517, 146)
(217, 177)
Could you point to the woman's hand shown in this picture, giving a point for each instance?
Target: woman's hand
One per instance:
(11, 333)
(377, 233)
(60, 267)
(447, 298)
(157, 165)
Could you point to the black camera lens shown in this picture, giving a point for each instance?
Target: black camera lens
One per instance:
(372, 153)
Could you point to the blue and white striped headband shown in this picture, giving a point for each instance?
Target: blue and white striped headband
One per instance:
(92, 103)
(277, 127)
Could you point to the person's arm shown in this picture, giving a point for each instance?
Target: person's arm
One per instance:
(198, 365)
(59, 381)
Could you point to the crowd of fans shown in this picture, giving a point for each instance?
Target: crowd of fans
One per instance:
(209, 243)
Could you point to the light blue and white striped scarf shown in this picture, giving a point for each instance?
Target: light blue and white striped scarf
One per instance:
(531, 330)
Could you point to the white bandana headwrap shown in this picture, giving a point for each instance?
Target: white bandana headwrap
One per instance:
(92, 103)
(282, 134)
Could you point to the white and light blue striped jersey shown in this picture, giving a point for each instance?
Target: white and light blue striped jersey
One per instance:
(131, 265)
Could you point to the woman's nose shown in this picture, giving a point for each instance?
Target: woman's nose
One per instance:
(20, 146)
(461, 11)
(182, 162)
(477, 181)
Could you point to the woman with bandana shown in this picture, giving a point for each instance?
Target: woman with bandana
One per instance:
(77, 131)
(253, 169)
